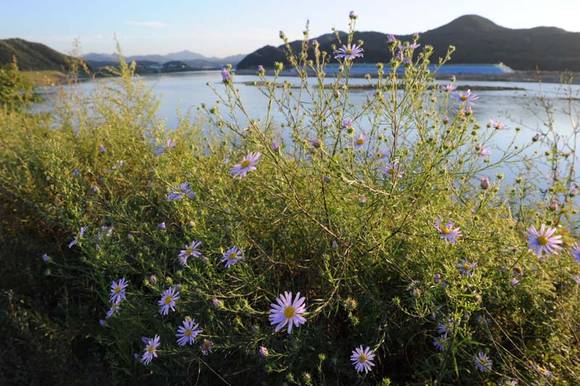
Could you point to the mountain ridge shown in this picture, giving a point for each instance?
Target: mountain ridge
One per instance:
(477, 39)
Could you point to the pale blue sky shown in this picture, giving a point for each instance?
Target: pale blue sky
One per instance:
(229, 27)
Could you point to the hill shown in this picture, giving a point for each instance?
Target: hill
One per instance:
(192, 59)
(477, 39)
(32, 56)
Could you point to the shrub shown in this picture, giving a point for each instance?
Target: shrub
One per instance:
(342, 206)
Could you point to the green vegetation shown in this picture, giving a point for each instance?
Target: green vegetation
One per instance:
(346, 220)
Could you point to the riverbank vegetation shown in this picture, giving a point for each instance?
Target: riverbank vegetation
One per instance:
(348, 244)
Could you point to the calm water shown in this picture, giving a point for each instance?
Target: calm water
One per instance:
(182, 93)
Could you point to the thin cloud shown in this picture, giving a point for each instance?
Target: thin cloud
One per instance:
(148, 24)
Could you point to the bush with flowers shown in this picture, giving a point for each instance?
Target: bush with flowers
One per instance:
(348, 244)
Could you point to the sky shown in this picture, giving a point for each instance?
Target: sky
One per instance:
(227, 27)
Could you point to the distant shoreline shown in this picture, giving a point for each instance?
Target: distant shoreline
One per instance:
(515, 76)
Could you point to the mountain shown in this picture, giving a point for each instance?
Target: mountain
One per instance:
(32, 56)
(477, 39)
(192, 59)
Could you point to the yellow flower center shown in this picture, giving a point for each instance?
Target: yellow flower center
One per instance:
(168, 299)
(289, 312)
(463, 98)
(362, 358)
(360, 141)
(466, 266)
(542, 240)
(187, 332)
(232, 256)
(150, 349)
(245, 163)
(444, 229)
(117, 289)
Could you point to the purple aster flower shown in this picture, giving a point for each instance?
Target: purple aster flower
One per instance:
(78, 237)
(182, 190)
(206, 347)
(247, 164)
(482, 151)
(346, 123)
(115, 307)
(444, 329)
(226, 75)
(189, 250)
(482, 362)
(162, 226)
(102, 149)
(391, 38)
(360, 141)
(275, 145)
(349, 52)
(544, 240)
(218, 304)
(439, 343)
(118, 290)
(362, 359)
(575, 252)
(170, 144)
(466, 97)
(102, 322)
(316, 143)
(449, 87)
(447, 231)
(496, 124)
(150, 352)
(466, 268)
(232, 256)
(188, 332)
(287, 311)
(45, 258)
(393, 170)
(186, 189)
(167, 301)
(76, 172)
(261, 69)
(437, 278)
(484, 182)
(263, 352)
(352, 15)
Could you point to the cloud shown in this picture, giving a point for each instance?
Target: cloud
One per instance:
(147, 24)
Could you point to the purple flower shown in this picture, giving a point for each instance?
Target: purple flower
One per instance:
(482, 151)
(316, 143)
(352, 15)
(391, 38)
(162, 226)
(102, 322)
(437, 278)
(150, 352)
(118, 290)
(261, 69)
(232, 256)
(346, 123)
(360, 141)
(349, 52)
(263, 352)
(170, 144)
(275, 145)
(496, 124)
(362, 359)
(102, 149)
(247, 164)
(466, 268)
(482, 362)
(189, 250)
(184, 189)
(76, 172)
(206, 347)
(449, 87)
(287, 311)
(466, 97)
(484, 182)
(226, 75)
(187, 333)
(439, 343)
(167, 301)
(78, 237)
(575, 251)
(45, 258)
(112, 311)
(393, 170)
(544, 240)
(447, 231)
